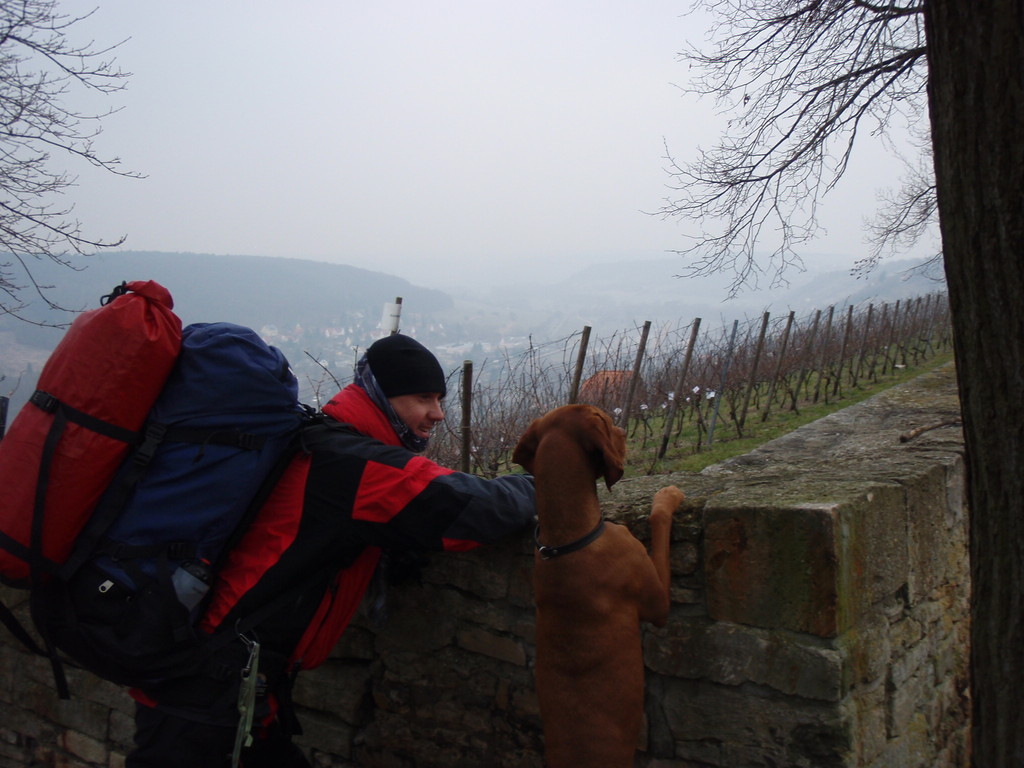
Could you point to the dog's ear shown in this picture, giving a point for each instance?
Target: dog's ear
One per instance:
(526, 449)
(611, 442)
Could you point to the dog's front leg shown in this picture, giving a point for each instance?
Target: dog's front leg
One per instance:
(665, 503)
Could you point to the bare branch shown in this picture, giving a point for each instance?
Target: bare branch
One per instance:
(799, 81)
(39, 66)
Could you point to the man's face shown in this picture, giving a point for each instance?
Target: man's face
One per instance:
(420, 412)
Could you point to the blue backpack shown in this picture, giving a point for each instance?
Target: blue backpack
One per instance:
(222, 430)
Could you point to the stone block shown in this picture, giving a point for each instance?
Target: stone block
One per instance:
(874, 553)
(410, 627)
(91, 688)
(911, 662)
(337, 687)
(326, 733)
(74, 714)
(930, 610)
(814, 567)
(912, 748)
(121, 733)
(483, 741)
(746, 724)
(929, 533)
(495, 646)
(774, 568)
(685, 558)
(867, 649)
(495, 614)
(8, 664)
(905, 633)
(707, 752)
(484, 574)
(523, 701)
(679, 649)
(686, 595)
(85, 747)
(520, 585)
(908, 702)
(868, 703)
(731, 654)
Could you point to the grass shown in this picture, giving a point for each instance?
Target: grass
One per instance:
(687, 451)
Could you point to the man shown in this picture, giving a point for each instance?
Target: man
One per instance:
(358, 488)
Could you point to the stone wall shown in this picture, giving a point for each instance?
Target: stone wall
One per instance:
(819, 618)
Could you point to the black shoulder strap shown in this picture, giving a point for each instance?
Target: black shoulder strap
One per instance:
(295, 446)
(63, 414)
(39, 565)
(114, 501)
(226, 635)
(9, 620)
(15, 627)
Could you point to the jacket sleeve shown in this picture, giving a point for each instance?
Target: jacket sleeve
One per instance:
(421, 505)
(489, 509)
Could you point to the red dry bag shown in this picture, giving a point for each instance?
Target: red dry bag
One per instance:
(67, 442)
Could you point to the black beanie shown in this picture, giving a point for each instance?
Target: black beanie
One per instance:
(403, 366)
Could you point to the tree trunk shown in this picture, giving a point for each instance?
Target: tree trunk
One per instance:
(976, 97)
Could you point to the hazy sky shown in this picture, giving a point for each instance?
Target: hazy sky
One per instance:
(440, 141)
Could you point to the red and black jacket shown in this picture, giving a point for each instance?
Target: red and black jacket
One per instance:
(350, 494)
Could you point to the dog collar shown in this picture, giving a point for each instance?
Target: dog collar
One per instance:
(546, 553)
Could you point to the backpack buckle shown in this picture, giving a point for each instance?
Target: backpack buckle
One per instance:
(44, 401)
(150, 441)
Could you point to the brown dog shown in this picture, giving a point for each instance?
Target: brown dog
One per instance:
(594, 584)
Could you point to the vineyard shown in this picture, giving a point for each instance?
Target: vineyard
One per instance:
(689, 396)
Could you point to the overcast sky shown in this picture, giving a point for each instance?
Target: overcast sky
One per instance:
(445, 142)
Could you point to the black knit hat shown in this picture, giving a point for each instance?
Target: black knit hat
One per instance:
(403, 366)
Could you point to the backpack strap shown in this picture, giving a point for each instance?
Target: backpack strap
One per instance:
(35, 560)
(223, 637)
(227, 635)
(16, 628)
(89, 539)
(50, 404)
(233, 438)
(38, 563)
(62, 415)
(295, 446)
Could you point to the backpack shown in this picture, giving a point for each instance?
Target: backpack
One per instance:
(63, 448)
(124, 599)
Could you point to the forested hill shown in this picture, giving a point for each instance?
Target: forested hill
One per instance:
(250, 290)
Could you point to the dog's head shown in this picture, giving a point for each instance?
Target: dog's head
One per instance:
(591, 427)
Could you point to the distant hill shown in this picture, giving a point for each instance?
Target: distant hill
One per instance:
(256, 290)
(249, 290)
(246, 289)
(623, 294)
(259, 292)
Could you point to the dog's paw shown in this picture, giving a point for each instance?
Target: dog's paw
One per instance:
(667, 501)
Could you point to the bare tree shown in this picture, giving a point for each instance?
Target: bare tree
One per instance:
(801, 79)
(39, 68)
(976, 104)
(804, 75)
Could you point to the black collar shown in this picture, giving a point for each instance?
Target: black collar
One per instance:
(546, 553)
